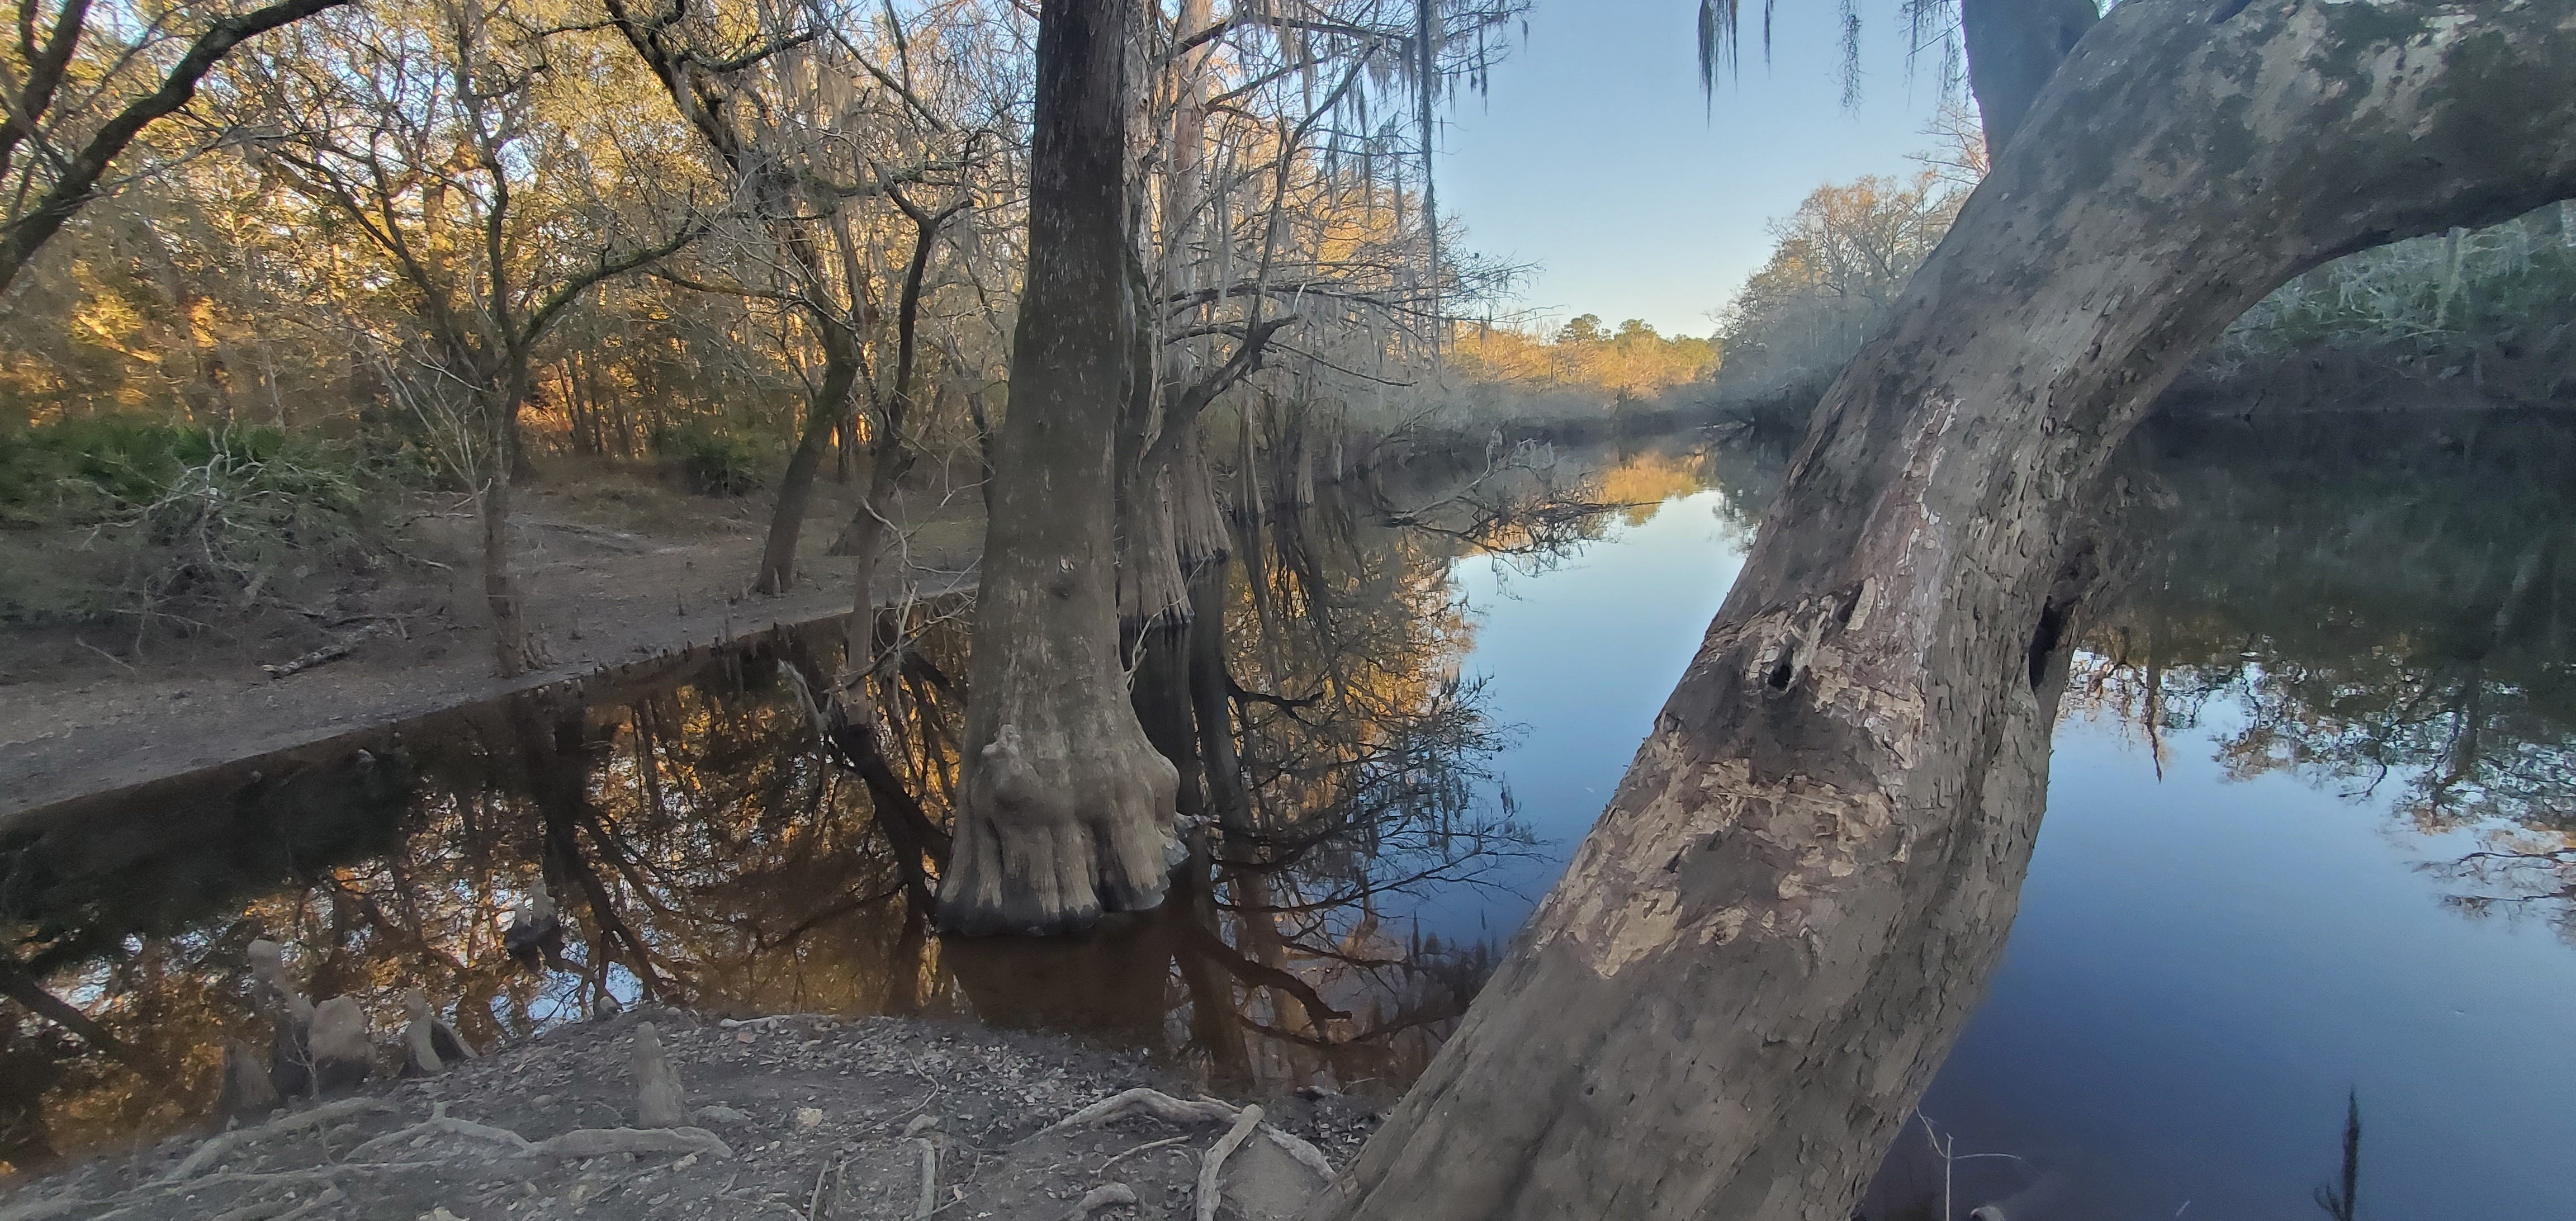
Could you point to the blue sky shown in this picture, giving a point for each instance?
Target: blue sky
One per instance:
(1595, 156)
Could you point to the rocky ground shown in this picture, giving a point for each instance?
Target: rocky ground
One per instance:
(803, 1117)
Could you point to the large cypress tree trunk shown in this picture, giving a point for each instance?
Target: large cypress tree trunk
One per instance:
(1064, 809)
(1762, 952)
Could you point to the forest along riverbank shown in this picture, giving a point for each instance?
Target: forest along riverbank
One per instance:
(701, 850)
(617, 567)
(878, 1118)
(2313, 765)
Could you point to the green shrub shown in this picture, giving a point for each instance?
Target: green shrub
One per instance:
(713, 463)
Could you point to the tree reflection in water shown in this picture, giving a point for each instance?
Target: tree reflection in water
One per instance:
(2382, 606)
(704, 849)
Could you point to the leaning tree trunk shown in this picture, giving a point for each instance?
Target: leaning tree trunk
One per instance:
(826, 410)
(1064, 808)
(1764, 949)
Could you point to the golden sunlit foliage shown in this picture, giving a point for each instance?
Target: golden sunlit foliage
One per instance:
(1630, 362)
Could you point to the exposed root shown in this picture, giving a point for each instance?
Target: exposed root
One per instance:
(47, 1210)
(439, 1124)
(1214, 1163)
(1144, 1101)
(283, 1210)
(1307, 1155)
(216, 1147)
(929, 1201)
(1092, 1201)
(599, 1142)
(1162, 1106)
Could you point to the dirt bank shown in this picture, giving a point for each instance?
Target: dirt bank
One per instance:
(804, 1117)
(615, 569)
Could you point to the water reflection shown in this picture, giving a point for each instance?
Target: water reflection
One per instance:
(2322, 714)
(2378, 607)
(2325, 697)
(708, 844)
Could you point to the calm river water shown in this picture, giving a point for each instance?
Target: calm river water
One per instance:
(2308, 843)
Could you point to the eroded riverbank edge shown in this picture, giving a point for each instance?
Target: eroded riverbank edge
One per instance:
(815, 1117)
(138, 732)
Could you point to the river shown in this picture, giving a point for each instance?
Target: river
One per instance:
(2308, 841)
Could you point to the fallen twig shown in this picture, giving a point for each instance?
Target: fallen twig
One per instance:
(1151, 1144)
(129, 666)
(325, 655)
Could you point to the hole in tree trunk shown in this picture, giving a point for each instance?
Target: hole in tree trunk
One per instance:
(2044, 639)
(1784, 668)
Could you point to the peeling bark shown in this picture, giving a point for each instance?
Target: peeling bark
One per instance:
(1064, 808)
(1762, 952)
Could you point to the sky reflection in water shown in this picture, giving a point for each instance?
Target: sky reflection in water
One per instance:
(2215, 943)
(2204, 963)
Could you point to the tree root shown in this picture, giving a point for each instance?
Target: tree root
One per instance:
(1162, 1106)
(1214, 1163)
(283, 1210)
(599, 1142)
(659, 1100)
(578, 1143)
(437, 1123)
(1306, 1154)
(46, 1210)
(1145, 1101)
(929, 1201)
(1110, 1196)
(216, 1147)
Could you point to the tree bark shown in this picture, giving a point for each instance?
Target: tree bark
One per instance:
(1064, 807)
(2014, 46)
(514, 650)
(1762, 952)
(831, 403)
